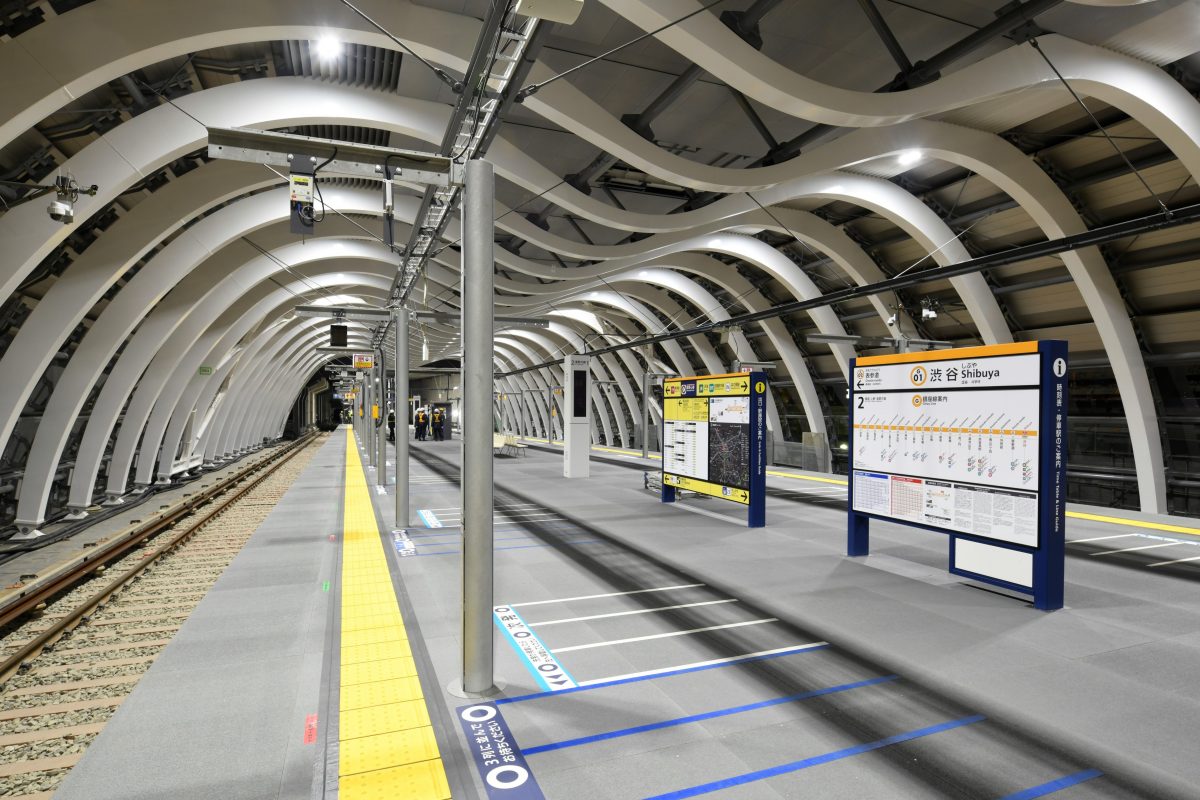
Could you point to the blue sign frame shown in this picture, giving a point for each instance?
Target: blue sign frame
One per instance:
(1050, 553)
(756, 509)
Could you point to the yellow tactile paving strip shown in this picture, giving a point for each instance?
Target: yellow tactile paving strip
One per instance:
(386, 745)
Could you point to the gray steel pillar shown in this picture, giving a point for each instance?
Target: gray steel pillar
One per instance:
(646, 413)
(380, 424)
(477, 384)
(362, 430)
(368, 426)
(400, 320)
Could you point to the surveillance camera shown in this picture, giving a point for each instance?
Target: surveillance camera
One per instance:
(928, 313)
(891, 320)
(61, 211)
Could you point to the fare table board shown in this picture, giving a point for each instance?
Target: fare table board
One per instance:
(714, 439)
(969, 442)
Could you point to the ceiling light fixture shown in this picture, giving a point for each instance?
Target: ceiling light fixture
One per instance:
(909, 157)
(328, 48)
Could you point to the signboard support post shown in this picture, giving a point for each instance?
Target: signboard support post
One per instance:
(400, 320)
(858, 540)
(477, 383)
(971, 443)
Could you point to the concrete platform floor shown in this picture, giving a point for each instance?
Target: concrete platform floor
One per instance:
(698, 657)
(1107, 684)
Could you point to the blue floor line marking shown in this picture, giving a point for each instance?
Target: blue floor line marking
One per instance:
(804, 648)
(513, 547)
(1054, 785)
(824, 758)
(722, 712)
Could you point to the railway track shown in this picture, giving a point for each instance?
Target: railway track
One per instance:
(85, 638)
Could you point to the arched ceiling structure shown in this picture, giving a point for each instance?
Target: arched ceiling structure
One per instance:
(761, 152)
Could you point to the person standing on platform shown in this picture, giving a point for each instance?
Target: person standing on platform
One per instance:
(439, 422)
(422, 423)
(391, 426)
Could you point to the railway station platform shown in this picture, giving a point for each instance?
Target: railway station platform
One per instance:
(669, 652)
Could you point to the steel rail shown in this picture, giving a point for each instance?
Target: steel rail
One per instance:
(97, 562)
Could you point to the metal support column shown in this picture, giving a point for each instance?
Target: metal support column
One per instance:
(400, 320)
(368, 443)
(646, 414)
(477, 384)
(381, 423)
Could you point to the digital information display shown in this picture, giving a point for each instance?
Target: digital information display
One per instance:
(714, 439)
(969, 442)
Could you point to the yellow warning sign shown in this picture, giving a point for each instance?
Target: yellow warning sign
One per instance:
(688, 409)
(704, 487)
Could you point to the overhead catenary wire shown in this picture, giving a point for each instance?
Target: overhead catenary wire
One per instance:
(1097, 236)
(534, 87)
(455, 85)
(1120, 153)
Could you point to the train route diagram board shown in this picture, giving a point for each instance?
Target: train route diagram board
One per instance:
(714, 437)
(969, 442)
(951, 444)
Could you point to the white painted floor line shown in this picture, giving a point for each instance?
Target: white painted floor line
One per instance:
(1176, 561)
(1102, 538)
(498, 508)
(794, 648)
(704, 511)
(1141, 547)
(606, 594)
(627, 613)
(503, 520)
(590, 645)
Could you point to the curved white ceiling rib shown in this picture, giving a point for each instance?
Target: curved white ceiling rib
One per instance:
(574, 343)
(1147, 93)
(101, 42)
(793, 360)
(243, 409)
(142, 37)
(262, 103)
(193, 314)
(182, 355)
(93, 273)
(170, 267)
(705, 40)
(601, 408)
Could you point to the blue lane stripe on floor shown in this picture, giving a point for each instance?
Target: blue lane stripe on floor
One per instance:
(803, 648)
(1054, 786)
(825, 758)
(513, 547)
(723, 712)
